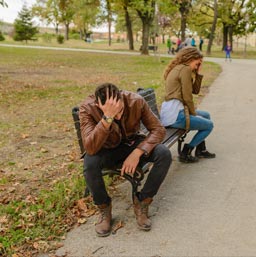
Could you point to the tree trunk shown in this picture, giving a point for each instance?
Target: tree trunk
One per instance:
(147, 17)
(230, 35)
(109, 33)
(66, 31)
(145, 37)
(57, 28)
(128, 24)
(225, 36)
(109, 21)
(81, 34)
(184, 9)
(163, 39)
(213, 28)
(183, 25)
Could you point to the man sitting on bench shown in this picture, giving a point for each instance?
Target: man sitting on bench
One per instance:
(110, 123)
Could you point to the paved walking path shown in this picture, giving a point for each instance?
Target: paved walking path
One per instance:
(203, 209)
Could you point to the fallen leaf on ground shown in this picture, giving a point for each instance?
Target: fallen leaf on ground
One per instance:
(82, 221)
(24, 136)
(117, 226)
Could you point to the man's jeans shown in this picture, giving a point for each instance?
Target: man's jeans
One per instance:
(201, 122)
(107, 158)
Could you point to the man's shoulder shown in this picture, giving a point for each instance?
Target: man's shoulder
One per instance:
(132, 100)
(87, 102)
(130, 96)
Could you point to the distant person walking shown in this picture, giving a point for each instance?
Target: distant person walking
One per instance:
(193, 42)
(188, 40)
(228, 50)
(178, 43)
(169, 45)
(201, 41)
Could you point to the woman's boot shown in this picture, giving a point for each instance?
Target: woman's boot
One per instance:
(201, 151)
(186, 156)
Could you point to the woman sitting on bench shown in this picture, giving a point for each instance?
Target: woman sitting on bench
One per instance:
(182, 80)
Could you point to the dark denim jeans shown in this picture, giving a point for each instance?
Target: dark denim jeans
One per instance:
(107, 158)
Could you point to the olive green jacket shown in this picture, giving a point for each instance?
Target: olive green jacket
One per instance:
(180, 85)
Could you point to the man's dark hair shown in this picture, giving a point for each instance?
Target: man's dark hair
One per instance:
(101, 92)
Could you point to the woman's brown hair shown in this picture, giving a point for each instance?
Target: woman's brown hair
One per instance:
(184, 56)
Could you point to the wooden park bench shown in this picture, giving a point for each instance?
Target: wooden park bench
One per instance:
(151, 47)
(173, 135)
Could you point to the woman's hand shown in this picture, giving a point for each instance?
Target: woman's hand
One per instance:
(199, 66)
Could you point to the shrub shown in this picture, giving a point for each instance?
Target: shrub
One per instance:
(60, 39)
(47, 37)
(2, 38)
(74, 36)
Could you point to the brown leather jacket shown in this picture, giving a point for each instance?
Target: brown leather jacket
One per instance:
(95, 136)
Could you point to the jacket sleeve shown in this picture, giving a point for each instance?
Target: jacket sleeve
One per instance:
(186, 88)
(156, 130)
(196, 86)
(93, 133)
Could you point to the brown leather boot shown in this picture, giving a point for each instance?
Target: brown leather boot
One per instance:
(141, 213)
(103, 226)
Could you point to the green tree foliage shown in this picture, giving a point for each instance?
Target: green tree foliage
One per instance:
(247, 19)
(204, 20)
(3, 3)
(146, 11)
(49, 11)
(23, 26)
(2, 38)
(125, 19)
(67, 12)
(168, 19)
(184, 8)
(85, 16)
(56, 12)
(233, 15)
(251, 15)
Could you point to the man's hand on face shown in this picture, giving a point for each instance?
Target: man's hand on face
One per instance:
(112, 105)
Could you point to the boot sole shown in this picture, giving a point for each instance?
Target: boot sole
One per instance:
(187, 161)
(205, 157)
(142, 228)
(103, 235)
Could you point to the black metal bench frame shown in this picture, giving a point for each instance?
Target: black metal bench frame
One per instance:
(151, 47)
(173, 135)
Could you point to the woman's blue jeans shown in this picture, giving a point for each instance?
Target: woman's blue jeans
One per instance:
(201, 122)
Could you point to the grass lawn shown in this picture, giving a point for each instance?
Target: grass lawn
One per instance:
(41, 181)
